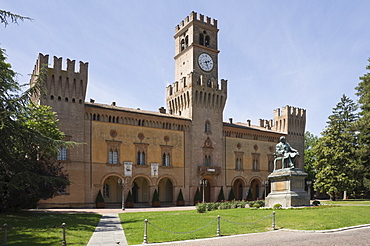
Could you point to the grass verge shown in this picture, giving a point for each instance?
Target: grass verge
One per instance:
(30, 228)
(320, 218)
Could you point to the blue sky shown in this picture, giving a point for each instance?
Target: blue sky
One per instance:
(273, 53)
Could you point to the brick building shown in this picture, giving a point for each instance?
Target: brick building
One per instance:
(168, 150)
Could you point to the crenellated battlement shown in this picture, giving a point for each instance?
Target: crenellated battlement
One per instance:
(290, 120)
(196, 17)
(289, 110)
(69, 84)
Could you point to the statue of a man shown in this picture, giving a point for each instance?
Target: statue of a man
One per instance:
(289, 154)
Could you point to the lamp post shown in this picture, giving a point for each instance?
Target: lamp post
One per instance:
(203, 183)
(265, 182)
(122, 183)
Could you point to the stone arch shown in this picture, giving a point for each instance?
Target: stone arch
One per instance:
(141, 188)
(238, 186)
(166, 186)
(111, 188)
(255, 188)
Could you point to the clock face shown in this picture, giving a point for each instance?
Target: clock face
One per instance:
(205, 62)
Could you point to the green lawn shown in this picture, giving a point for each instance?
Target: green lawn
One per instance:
(183, 221)
(30, 228)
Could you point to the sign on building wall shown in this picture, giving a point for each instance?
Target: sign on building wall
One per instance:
(154, 169)
(128, 168)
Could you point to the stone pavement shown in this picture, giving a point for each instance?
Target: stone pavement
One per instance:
(108, 232)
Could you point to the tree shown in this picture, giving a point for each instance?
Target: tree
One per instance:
(363, 126)
(30, 141)
(336, 164)
(6, 16)
(310, 141)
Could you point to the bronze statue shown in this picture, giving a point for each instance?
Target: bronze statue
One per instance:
(286, 154)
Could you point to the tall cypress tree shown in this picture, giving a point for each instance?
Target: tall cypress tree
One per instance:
(336, 164)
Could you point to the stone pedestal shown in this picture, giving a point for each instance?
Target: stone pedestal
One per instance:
(287, 188)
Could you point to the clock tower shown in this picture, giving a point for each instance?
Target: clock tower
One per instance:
(197, 94)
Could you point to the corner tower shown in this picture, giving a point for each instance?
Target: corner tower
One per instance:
(292, 121)
(198, 95)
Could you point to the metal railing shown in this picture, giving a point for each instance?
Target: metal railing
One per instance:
(218, 231)
(6, 228)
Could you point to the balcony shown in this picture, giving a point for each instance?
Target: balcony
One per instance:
(203, 170)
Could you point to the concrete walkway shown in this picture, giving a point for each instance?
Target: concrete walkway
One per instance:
(108, 232)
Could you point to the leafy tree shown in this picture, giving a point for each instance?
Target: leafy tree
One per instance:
(363, 126)
(310, 141)
(30, 140)
(336, 164)
(6, 16)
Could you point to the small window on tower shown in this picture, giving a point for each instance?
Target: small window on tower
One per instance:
(207, 127)
(201, 39)
(207, 41)
(186, 41)
(182, 44)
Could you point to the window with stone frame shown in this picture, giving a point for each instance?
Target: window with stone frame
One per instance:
(141, 153)
(166, 151)
(113, 149)
(255, 161)
(239, 160)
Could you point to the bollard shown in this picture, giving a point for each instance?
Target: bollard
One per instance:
(145, 231)
(273, 220)
(64, 243)
(5, 228)
(218, 226)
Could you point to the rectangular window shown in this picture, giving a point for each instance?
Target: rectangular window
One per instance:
(62, 154)
(256, 162)
(113, 157)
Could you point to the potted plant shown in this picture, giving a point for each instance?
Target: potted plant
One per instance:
(221, 196)
(197, 197)
(180, 199)
(231, 195)
(155, 200)
(99, 201)
(129, 200)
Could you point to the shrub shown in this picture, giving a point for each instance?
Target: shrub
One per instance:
(277, 206)
(99, 197)
(221, 196)
(231, 195)
(155, 196)
(256, 205)
(201, 207)
(130, 197)
(316, 203)
(180, 196)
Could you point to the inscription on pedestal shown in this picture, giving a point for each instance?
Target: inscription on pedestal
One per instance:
(280, 185)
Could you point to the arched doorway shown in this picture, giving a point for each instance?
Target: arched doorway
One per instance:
(238, 189)
(165, 190)
(255, 189)
(140, 190)
(207, 190)
(112, 190)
